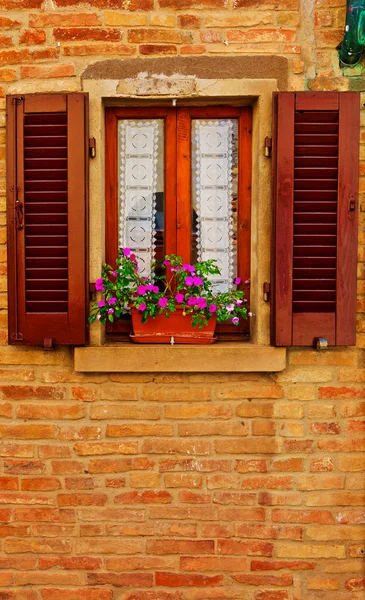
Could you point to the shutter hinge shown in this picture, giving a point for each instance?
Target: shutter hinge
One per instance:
(92, 147)
(92, 292)
(48, 344)
(352, 207)
(17, 337)
(266, 291)
(17, 99)
(268, 147)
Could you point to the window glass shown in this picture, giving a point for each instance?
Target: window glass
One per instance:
(141, 189)
(214, 195)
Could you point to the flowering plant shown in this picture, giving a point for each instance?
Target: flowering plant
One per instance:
(173, 284)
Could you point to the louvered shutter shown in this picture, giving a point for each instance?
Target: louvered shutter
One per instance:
(47, 218)
(315, 189)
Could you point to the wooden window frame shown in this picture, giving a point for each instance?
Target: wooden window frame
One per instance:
(177, 193)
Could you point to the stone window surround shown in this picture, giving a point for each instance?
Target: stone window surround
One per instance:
(162, 90)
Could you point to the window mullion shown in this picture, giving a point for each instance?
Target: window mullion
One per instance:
(183, 225)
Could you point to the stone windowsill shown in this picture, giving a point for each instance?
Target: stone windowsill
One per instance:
(218, 358)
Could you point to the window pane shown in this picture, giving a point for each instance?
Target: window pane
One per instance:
(214, 195)
(141, 189)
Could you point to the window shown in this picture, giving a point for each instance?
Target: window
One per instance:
(178, 181)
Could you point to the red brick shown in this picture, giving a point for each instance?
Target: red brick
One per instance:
(181, 580)
(355, 584)
(48, 72)
(269, 482)
(189, 21)
(115, 483)
(145, 497)
(18, 450)
(54, 411)
(65, 19)
(352, 517)
(213, 563)
(325, 428)
(181, 4)
(250, 446)
(82, 499)
(49, 515)
(121, 580)
(277, 565)
(341, 392)
(183, 480)
(262, 531)
(7, 23)
(100, 448)
(42, 546)
(74, 562)
(237, 498)
(120, 465)
(27, 392)
(28, 431)
(321, 464)
(9, 483)
(5, 42)
(79, 483)
(67, 467)
(290, 464)
(356, 426)
(53, 452)
(246, 548)
(251, 466)
(189, 497)
(22, 563)
(180, 547)
(139, 430)
(33, 37)
(14, 4)
(96, 49)
(149, 595)
(155, 49)
(40, 483)
(131, 5)
(84, 33)
(280, 580)
(302, 516)
(7, 75)
(24, 467)
(271, 595)
(82, 433)
(79, 594)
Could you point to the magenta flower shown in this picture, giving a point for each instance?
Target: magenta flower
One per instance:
(110, 311)
(132, 257)
(192, 301)
(201, 303)
(167, 263)
(237, 280)
(126, 251)
(230, 307)
(179, 298)
(150, 287)
(212, 308)
(162, 302)
(187, 267)
(235, 320)
(112, 300)
(99, 287)
(238, 302)
(142, 289)
(198, 281)
(115, 273)
(247, 281)
(189, 280)
(155, 289)
(101, 303)
(99, 281)
(142, 306)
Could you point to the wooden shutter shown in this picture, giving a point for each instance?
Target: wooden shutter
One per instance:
(47, 218)
(315, 189)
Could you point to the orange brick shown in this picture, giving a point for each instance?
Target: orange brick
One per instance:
(52, 19)
(31, 37)
(96, 49)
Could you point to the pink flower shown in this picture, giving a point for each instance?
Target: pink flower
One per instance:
(230, 307)
(245, 301)
(198, 281)
(142, 289)
(115, 273)
(237, 280)
(238, 302)
(247, 281)
(132, 257)
(192, 301)
(98, 317)
(110, 311)
(235, 320)
(179, 298)
(99, 281)
(142, 306)
(212, 308)
(189, 280)
(150, 287)
(167, 263)
(155, 289)
(189, 268)
(162, 302)
(201, 303)
(101, 303)
(99, 288)
(251, 314)
(112, 300)
(126, 251)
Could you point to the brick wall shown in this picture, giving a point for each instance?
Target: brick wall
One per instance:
(178, 487)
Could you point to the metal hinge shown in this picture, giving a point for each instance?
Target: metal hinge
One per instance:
(92, 147)
(266, 291)
(268, 146)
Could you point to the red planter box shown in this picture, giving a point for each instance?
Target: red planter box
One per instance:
(178, 329)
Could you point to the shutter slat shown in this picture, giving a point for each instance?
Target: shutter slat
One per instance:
(45, 302)
(325, 136)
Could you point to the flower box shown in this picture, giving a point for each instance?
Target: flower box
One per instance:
(177, 329)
